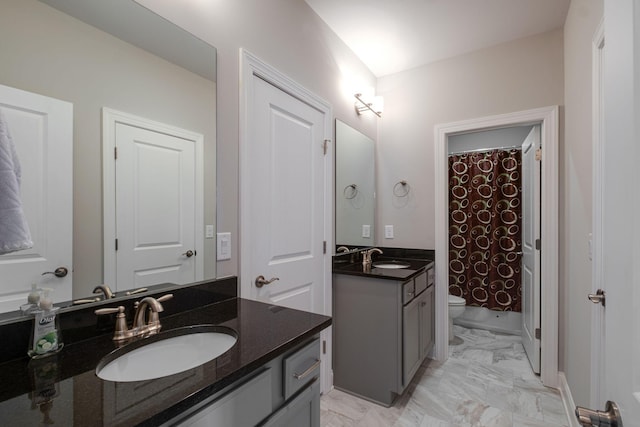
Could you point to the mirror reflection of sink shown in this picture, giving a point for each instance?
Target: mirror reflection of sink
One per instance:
(392, 265)
(167, 353)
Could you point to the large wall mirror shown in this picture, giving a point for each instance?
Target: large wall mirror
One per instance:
(115, 56)
(355, 187)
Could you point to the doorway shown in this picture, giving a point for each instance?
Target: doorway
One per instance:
(548, 119)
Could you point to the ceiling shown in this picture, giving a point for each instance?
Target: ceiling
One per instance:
(390, 36)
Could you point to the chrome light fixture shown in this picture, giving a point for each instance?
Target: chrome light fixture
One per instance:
(369, 102)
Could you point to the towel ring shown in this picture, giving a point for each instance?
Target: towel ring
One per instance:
(401, 189)
(352, 194)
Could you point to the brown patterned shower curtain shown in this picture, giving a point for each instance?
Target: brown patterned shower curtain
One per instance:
(485, 238)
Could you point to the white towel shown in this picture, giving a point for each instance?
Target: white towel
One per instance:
(14, 230)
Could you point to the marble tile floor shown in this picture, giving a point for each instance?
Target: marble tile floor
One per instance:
(486, 382)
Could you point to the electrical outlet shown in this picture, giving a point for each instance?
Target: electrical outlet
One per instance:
(223, 246)
(366, 230)
(388, 231)
(208, 233)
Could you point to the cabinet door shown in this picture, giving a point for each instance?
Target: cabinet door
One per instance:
(410, 340)
(302, 411)
(427, 332)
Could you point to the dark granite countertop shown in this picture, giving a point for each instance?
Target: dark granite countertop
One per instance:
(65, 389)
(401, 274)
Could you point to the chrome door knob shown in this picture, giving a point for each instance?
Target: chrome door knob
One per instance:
(261, 281)
(598, 297)
(189, 253)
(58, 272)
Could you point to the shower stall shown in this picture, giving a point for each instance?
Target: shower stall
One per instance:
(485, 227)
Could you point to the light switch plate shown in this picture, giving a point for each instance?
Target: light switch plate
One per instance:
(223, 251)
(388, 231)
(366, 230)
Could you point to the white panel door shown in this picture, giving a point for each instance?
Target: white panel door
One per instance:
(531, 255)
(285, 211)
(158, 216)
(42, 131)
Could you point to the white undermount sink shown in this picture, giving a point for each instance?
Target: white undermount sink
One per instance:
(167, 353)
(391, 265)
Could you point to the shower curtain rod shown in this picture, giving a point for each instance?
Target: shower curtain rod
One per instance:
(480, 150)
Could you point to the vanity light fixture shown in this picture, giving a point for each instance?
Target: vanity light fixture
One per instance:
(375, 105)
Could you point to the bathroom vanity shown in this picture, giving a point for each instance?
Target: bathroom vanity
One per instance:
(383, 327)
(269, 377)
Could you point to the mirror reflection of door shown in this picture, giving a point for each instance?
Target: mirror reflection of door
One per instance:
(355, 187)
(153, 202)
(42, 131)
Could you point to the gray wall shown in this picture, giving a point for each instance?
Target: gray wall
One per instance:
(489, 139)
(576, 198)
(49, 53)
(288, 35)
(520, 75)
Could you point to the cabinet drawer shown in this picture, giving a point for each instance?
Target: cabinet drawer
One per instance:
(421, 282)
(408, 292)
(431, 273)
(301, 367)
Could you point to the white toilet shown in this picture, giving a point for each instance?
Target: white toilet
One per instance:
(456, 308)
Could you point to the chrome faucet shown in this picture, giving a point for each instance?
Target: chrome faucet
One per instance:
(366, 256)
(105, 290)
(142, 325)
(343, 249)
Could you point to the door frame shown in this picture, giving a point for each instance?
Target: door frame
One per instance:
(548, 118)
(251, 66)
(110, 118)
(597, 315)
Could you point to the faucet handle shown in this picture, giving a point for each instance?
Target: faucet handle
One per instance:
(121, 332)
(164, 298)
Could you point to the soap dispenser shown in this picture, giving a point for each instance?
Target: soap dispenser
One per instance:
(45, 337)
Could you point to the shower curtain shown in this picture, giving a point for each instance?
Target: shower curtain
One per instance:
(485, 216)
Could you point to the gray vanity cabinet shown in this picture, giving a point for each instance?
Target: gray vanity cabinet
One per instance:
(284, 392)
(382, 330)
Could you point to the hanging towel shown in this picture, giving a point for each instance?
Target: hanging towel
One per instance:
(14, 230)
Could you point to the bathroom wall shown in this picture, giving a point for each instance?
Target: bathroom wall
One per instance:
(520, 75)
(576, 198)
(288, 35)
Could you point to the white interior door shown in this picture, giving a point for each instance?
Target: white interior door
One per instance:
(286, 202)
(42, 131)
(620, 241)
(531, 255)
(158, 204)
(285, 233)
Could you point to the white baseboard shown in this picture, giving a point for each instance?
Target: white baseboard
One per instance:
(567, 400)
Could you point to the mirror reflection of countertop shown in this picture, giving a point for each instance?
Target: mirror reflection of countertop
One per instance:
(357, 269)
(65, 389)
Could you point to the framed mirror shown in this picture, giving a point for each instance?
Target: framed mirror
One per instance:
(112, 55)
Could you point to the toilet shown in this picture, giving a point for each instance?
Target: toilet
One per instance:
(456, 308)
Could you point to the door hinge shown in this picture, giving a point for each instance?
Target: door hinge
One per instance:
(324, 247)
(115, 153)
(325, 145)
(538, 244)
(539, 154)
(116, 244)
(538, 334)
(324, 346)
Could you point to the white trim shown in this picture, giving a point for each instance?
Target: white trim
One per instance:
(251, 66)
(110, 118)
(567, 400)
(597, 315)
(548, 118)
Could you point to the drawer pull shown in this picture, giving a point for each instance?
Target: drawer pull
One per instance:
(308, 371)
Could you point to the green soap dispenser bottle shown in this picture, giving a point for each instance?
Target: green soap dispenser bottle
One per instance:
(45, 337)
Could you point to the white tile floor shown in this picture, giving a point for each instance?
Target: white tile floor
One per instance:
(487, 381)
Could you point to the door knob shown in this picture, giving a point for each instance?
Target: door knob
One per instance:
(58, 272)
(261, 281)
(598, 297)
(189, 253)
(610, 417)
